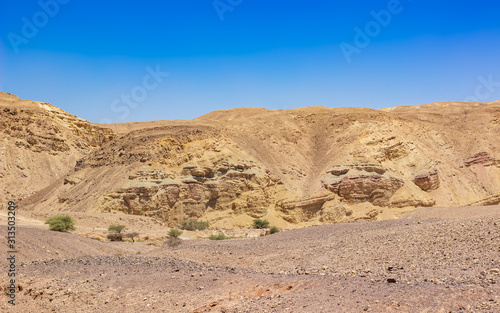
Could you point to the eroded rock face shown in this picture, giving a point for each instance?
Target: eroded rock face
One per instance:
(412, 202)
(362, 183)
(303, 166)
(40, 143)
(482, 158)
(194, 191)
(333, 212)
(303, 210)
(492, 200)
(39, 130)
(164, 145)
(427, 181)
(370, 168)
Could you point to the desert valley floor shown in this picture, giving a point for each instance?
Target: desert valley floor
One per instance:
(430, 260)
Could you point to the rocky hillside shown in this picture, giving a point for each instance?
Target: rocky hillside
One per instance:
(39, 144)
(293, 167)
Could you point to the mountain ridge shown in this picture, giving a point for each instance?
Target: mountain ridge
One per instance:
(295, 167)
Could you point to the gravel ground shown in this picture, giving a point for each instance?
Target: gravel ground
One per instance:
(407, 265)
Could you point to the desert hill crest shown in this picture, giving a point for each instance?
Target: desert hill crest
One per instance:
(301, 166)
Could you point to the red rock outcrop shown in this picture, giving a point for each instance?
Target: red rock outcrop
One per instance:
(362, 183)
(482, 158)
(427, 181)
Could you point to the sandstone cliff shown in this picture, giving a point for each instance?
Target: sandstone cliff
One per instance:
(294, 167)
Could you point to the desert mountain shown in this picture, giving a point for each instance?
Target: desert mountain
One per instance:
(300, 167)
(39, 144)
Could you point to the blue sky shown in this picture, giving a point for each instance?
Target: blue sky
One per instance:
(120, 61)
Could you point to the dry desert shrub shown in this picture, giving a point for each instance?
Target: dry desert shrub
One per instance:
(219, 236)
(173, 242)
(194, 224)
(132, 235)
(115, 232)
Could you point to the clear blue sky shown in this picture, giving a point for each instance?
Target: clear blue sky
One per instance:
(94, 58)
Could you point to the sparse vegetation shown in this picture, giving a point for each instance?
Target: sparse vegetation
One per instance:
(174, 233)
(132, 235)
(62, 223)
(115, 232)
(174, 239)
(260, 224)
(274, 230)
(173, 242)
(219, 236)
(194, 224)
(116, 228)
(115, 237)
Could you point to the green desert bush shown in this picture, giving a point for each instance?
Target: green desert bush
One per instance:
(174, 233)
(61, 223)
(274, 230)
(259, 224)
(194, 224)
(219, 236)
(173, 237)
